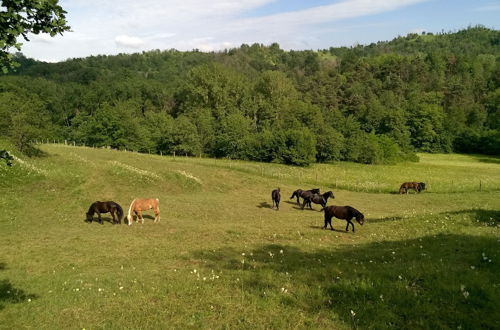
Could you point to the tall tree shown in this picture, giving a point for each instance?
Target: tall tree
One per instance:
(21, 17)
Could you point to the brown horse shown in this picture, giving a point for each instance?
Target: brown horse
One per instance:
(299, 193)
(139, 205)
(316, 199)
(343, 212)
(276, 196)
(105, 207)
(417, 186)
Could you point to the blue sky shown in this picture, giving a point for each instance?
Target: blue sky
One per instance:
(127, 26)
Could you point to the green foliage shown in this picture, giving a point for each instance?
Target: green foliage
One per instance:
(20, 17)
(379, 103)
(4, 154)
(329, 145)
(295, 147)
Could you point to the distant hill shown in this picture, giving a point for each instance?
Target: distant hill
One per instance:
(376, 103)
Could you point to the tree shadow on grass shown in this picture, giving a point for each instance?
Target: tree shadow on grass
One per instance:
(440, 281)
(488, 160)
(489, 218)
(9, 294)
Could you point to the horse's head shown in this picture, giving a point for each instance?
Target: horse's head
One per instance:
(360, 218)
(89, 216)
(315, 191)
(422, 185)
(330, 194)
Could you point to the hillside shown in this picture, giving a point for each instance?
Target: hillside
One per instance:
(378, 103)
(220, 257)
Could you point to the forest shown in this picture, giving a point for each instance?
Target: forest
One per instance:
(373, 104)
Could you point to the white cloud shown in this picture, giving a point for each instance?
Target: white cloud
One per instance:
(106, 27)
(128, 41)
(418, 30)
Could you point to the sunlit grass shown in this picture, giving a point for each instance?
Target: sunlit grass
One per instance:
(221, 258)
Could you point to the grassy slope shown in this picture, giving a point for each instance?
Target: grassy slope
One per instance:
(420, 260)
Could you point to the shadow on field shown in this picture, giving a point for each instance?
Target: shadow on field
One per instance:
(441, 281)
(104, 220)
(488, 217)
(264, 205)
(488, 160)
(10, 294)
(386, 219)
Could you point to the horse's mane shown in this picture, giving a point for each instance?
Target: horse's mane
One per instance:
(129, 209)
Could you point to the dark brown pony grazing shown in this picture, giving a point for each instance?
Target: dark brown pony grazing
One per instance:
(276, 196)
(105, 207)
(139, 205)
(299, 192)
(317, 199)
(343, 212)
(417, 186)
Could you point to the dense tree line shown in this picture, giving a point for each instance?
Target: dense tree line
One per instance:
(378, 103)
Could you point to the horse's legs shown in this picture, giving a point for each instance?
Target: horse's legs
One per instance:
(157, 214)
(328, 220)
(277, 205)
(113, 215)
(304, 203)
(139, 216)
(349, 222)
(99, 217)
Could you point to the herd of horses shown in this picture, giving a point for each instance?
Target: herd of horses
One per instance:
(310, 196)
(346, 213)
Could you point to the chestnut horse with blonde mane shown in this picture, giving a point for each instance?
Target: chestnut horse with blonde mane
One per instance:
(139, 205)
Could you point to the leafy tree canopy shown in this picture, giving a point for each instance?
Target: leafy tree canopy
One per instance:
(21, 17)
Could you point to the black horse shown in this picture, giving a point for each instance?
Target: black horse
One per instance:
(105, 207)
(299, 193)
(343, 212)
(317, 199)
(276, 196)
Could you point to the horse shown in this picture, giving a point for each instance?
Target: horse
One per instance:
(139, 205)
(105, 207)
(299, 192)
(343, 212)
(417, 186)
(317, 199)
(276, 196)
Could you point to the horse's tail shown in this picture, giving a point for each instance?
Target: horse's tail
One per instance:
(129, 216)
(119, 210)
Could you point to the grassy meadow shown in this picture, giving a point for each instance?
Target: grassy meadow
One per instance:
(222, 258)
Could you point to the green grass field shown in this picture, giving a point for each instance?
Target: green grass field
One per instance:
(221, 258)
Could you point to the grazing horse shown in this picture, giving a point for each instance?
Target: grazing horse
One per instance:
(276, 196)
(139, 205)
(105, 207)
(417, 186)
(318, 199)
(343, 212)
(299, 192)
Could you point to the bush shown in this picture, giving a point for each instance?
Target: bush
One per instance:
(329, 145)
(296, 147)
